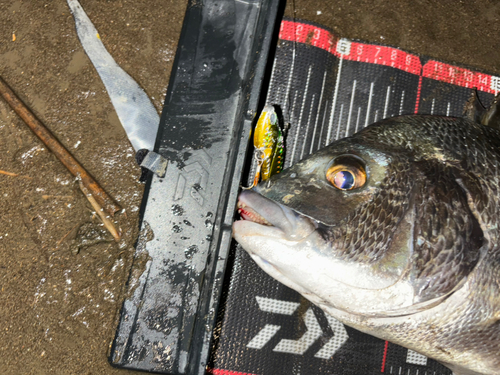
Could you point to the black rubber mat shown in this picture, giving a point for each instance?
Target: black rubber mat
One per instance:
(328, 88)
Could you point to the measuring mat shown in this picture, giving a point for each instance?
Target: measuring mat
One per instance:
(328, 88)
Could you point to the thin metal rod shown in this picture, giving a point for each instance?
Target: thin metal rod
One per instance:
(58, 149)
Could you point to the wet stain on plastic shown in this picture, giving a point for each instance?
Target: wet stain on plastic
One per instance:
(161, 317)
(190, 251)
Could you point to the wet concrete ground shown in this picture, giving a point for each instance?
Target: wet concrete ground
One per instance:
(58, 308)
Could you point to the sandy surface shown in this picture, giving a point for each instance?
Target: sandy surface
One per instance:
(58, 308)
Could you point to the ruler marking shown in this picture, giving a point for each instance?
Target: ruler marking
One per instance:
(322, 124)
(334, 103)
(292, 117)
(301, 114)
(350, 108)
(293, 106)
(402, 102)
(357, 120)
(369, 104)
(340, 121)
(271, 83)
(307, 127)
(384, 357)
(387, 101)
(317, 117)
(289, 84)
(419, 90)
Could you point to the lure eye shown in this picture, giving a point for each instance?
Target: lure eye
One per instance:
(346, 173)
(273, 118)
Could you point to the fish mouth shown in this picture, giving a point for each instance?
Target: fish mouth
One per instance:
(255, 208)
(268, 229)
(248, 213)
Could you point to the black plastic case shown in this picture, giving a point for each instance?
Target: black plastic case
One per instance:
(166, 322)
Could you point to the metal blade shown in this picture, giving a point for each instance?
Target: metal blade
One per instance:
(133, 107)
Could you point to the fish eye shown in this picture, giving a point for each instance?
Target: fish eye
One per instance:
(344, 180)
(346, 173)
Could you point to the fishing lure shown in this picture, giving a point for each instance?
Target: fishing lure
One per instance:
(269, 145)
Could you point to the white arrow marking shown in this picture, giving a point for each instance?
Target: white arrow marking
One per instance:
(263, 337)
(339, 338)
(301, 345)
(416, 358)
(273, 306)
(276, 306)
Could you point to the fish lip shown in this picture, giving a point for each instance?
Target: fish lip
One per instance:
(292, 224)
(255, 201)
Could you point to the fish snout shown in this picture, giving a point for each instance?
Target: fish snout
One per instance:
(259, 209)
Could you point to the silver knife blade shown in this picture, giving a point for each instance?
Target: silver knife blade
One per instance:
(137, 114)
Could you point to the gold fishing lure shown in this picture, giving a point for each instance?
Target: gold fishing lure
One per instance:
(269, 145)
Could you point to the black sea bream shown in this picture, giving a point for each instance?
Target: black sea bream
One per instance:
(393, 231)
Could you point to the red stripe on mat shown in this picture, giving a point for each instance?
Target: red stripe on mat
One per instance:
(379, 55)
(349, 50)
(308, 34)
(388, 56)
(385, 356)
(218, 371)
(461, 77)
(419, 90)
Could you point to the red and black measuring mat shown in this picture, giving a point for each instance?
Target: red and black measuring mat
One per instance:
(328, 88)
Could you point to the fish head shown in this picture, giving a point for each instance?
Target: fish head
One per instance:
(364, 227)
